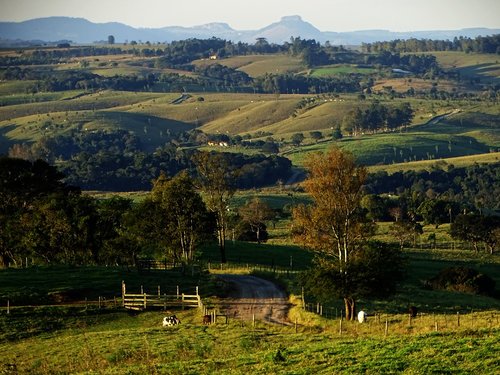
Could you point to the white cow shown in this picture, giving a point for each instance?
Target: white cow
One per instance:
(362, 316)
(170, 321)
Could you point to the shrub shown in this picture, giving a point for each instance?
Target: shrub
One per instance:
(463, 279)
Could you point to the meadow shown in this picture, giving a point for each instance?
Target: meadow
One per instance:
(453, 333)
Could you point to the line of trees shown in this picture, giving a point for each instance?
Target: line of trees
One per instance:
(377, 117)
(43, 218)
(481, 44)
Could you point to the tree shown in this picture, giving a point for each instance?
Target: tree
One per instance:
(111, 39)
(217, 181)
(337, 133)
(352, 122)
(316, 135)
(476, 229)
(185, 221)
(23, 184)
(255, 213)
(373, 271)
(297, 139)
(405, 231)
(437, 211)
(332, 225)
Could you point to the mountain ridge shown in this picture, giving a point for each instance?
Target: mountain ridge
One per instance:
(80, 30)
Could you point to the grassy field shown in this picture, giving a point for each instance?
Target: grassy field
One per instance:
(461, 161)
(82, 338)
(258, 65)
(471, 65)
(328, 71)
(116, 342)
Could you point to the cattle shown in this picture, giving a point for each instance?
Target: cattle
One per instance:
(207, 319)
(362, 316)
(170, 321)
(412, 311)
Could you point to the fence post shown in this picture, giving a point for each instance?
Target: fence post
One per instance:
(8, 307)
(99, 303)
(183, 301)
(197, 291)
(340, 328)
(159, 294)
(386, 328)
(253, 320)
(458, 319)
(142, 290)
(177, 291)
(295, 324)
(145, 300)
(124, 291)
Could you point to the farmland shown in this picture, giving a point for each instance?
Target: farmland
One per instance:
(109, 340)
(138, 111)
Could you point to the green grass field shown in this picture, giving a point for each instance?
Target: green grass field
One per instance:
(328, 71)
(116, 342)
(258, 65)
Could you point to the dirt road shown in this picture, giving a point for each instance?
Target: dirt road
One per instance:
(251, 295)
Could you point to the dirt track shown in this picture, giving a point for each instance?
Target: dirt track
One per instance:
(252, 295)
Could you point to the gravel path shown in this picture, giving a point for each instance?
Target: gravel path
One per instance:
(252, 295)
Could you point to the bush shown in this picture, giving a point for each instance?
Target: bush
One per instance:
(463, 279)
(244, 232)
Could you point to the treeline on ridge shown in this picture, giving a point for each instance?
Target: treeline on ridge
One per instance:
(481, 44)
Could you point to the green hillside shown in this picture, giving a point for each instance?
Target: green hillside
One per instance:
(258, 65)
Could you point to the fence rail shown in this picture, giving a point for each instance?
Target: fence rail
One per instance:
(141, 301)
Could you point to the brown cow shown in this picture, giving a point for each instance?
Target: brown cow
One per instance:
(207, 319)
(412, 310)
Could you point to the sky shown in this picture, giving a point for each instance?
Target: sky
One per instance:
(326, 15)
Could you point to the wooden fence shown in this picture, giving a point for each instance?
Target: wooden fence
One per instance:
(142, 301)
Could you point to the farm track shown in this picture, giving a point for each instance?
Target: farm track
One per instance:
(252, 296)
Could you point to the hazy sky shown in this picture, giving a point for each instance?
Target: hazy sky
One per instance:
(326, 15)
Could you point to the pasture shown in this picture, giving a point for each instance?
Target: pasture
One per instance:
(471, 130)
(339, 69)
(117, 342)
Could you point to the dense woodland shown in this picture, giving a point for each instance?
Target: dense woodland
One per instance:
(116, 161)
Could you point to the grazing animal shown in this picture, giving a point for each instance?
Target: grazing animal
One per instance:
(207, 319)
(170, 321)
(412, 310)
(362, 316)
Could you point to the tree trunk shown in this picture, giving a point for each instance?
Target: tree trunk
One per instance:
(222, 245)
(350, 308)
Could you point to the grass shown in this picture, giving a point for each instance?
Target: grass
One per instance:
(258, 65)
(328, 71)
(461, 161)
(42, 285)
(471, 65)
(117, 342)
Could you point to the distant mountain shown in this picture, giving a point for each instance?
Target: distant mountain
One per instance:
(80, 30)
